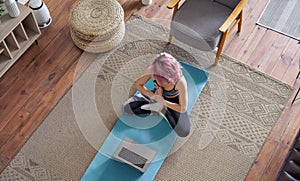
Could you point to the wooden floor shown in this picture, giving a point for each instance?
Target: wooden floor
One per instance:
(35, 84)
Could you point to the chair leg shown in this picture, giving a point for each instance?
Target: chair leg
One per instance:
(170, 38)
(240, 22)
(176, 7)
(298, 88)
(296, 96)
(218, 56)
(297, 75)
(220, 48)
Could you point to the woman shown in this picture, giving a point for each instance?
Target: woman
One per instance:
(168, 97)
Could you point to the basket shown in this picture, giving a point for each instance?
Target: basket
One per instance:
(97, 25)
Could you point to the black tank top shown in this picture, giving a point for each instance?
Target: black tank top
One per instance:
(167, 93)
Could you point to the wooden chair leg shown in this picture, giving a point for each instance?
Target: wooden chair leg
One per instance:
(298, 88)
(173, 14)
(240, 22)
(170, 38)
(220, 48)
(218, 56)
(296, 96)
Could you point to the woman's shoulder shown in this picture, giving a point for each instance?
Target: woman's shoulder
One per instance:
(181, 82)
(148, 69)
(182, 79)
(147, 72)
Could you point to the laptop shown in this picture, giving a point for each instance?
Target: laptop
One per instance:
(134, 154)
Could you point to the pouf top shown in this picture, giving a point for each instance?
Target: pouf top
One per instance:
(96, 17)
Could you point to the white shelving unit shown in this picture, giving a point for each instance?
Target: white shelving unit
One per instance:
(16, 36)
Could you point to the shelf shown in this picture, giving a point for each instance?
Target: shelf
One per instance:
(12, 44)
(30, 25)
(6, 51)
(16, 36)
(20, 33)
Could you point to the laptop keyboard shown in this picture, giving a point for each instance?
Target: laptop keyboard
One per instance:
(132, 157)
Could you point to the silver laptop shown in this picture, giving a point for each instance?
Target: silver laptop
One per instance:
(134, 154)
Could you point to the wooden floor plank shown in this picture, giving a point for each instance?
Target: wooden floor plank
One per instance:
(66, 57)
(284, 146)
(274, 151)
(49, 83)
(286, 58)
(254, 9)
(30, 55)
(13, 126)
(20, 82)
(131, 7)
(163, 15)
(232, 38)
(22, 89)
(262, 160)
(273, 55)
(42, 107)
(261, 51)
(250, 44)
(292, 70)
(157, 6)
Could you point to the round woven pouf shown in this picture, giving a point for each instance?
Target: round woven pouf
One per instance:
(97, 25)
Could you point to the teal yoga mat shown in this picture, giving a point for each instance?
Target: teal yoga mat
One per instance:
(152, 131)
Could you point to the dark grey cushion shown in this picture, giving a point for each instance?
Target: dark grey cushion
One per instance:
(229, 3)
(197, 23)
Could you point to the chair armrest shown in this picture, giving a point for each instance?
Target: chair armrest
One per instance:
(172, 3)
(234, 14)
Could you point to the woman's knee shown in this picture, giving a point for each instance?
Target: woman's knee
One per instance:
(126, 108)
(182, 131)
(180, 124)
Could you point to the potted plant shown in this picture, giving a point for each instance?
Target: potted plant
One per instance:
(1, 12)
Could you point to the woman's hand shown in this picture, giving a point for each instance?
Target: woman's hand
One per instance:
(158, 91)
(158, 95)
(159, 98)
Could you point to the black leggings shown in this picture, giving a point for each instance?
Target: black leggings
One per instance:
(180, 122)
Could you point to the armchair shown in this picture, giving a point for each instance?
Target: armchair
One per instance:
(298, 76)
(205, 24)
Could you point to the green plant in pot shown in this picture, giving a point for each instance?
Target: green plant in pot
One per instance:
(1, 11)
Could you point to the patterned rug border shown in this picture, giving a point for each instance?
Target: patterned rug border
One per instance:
(257, 71)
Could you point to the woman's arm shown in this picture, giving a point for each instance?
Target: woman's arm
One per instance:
(181, 107)
(140, 84)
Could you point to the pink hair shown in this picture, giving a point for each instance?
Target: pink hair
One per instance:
(166, 68)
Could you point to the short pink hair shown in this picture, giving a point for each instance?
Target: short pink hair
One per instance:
(165, 67)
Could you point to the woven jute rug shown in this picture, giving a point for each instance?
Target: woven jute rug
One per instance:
(230, 121)
(282, 16)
